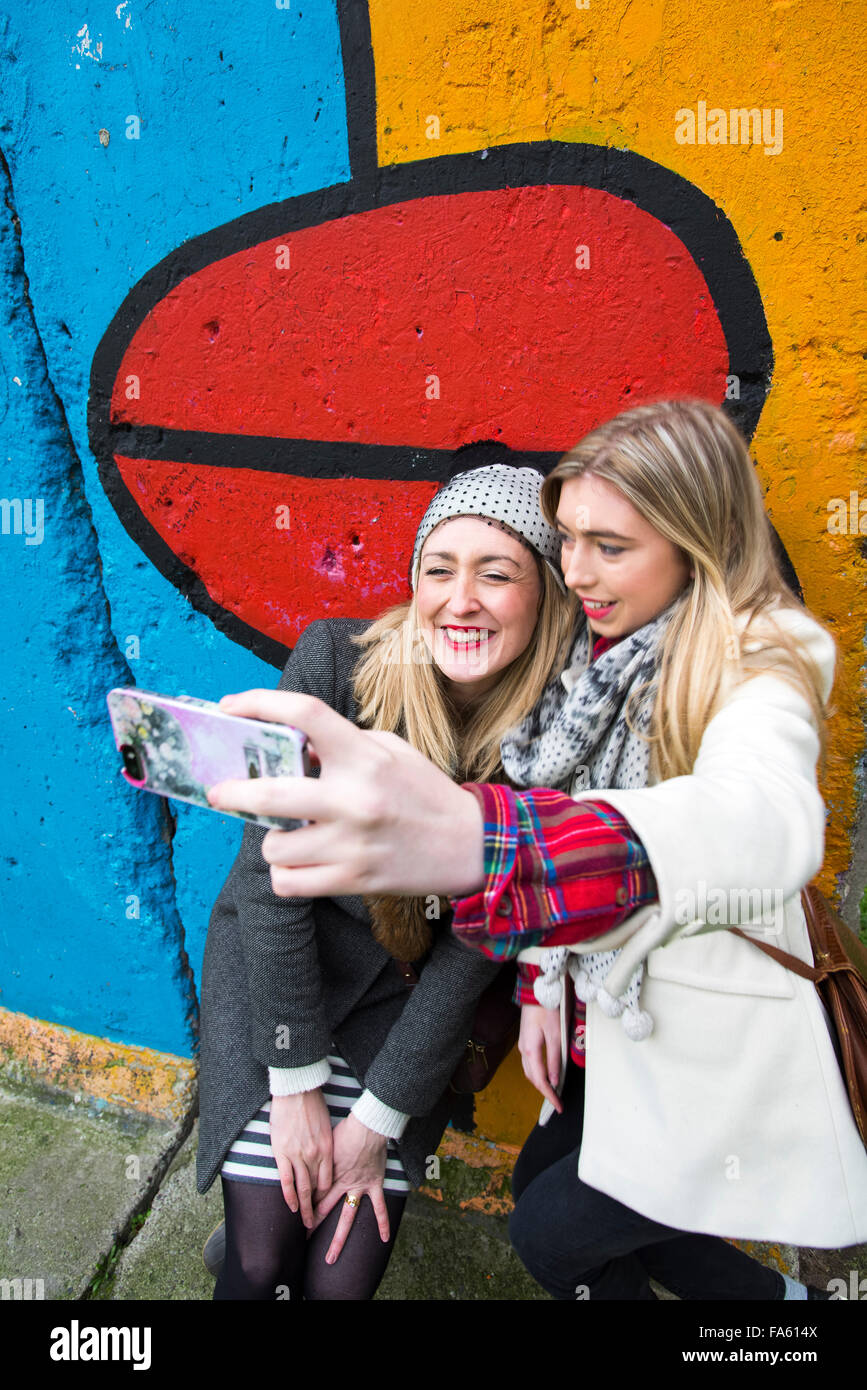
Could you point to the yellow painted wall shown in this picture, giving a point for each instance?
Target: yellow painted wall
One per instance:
(615, 74)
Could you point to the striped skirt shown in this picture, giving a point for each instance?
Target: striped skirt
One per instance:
(251, 1158)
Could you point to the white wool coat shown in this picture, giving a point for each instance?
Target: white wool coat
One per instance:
(731, 1118)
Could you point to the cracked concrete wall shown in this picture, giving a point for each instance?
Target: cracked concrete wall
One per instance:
(75, 852)
(230, 118)
(129, 132)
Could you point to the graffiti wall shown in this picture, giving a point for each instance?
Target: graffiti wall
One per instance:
(261, 277)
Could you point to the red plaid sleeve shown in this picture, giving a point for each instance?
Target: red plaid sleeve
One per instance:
(557, 871)
(527, 975)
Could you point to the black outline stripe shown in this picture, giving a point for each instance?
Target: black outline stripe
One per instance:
(302, 458)
(359, 71)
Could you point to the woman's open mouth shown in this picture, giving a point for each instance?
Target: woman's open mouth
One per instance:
(466, 638)
(593, 609)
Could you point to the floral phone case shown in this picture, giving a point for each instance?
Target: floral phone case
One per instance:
(178, 746)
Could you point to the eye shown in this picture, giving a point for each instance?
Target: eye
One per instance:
(611, 549)
(502, 578)
(437, 570)
(565, 540)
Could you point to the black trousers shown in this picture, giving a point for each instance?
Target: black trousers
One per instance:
(578, 1243)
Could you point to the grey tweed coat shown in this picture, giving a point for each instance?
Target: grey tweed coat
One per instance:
(314, 967)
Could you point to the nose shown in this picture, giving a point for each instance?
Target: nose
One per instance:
(577, 565)
(463, 598)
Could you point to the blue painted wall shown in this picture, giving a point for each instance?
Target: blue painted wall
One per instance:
(238, 107)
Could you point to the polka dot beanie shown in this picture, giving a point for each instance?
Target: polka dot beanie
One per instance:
(500, 493)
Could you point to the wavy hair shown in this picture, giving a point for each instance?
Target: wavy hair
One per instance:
(685, 468)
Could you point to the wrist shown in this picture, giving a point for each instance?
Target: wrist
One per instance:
(371, 1138)
(295, 1100)
(466, 844)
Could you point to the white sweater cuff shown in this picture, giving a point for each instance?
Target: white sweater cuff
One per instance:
(379, 1117)
(291, 1081)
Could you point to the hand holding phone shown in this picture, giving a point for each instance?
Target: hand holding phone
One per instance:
(383, 818)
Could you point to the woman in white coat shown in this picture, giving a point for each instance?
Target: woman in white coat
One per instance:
(691, 716)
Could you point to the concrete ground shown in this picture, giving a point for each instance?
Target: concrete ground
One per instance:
(99, 1204)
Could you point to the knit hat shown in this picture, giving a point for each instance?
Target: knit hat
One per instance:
(501, 493)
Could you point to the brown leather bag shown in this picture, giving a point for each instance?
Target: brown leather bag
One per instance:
(496, 1024)
(840, 976)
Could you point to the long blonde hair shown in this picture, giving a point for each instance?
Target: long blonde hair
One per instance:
(399, 689)
(687, 471)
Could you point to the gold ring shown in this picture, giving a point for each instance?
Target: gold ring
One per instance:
(351, 1200)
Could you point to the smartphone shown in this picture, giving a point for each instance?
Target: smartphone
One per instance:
(178, 746)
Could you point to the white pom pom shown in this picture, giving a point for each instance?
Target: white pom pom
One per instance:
(585, 988)
(548, 992)
(611, 1007)
(637, 1024)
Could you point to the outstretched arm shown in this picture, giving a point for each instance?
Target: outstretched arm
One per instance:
(749, 815)
(386, 820)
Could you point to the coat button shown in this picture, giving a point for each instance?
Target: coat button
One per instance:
(621, 896)
(504, 906)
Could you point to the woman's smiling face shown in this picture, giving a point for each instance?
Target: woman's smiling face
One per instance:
(478, 597)
(622, 569)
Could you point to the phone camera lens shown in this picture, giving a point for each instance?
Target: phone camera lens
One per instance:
(132, 762)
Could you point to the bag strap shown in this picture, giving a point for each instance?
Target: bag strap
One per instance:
(834, 946)
(794, 963)
(808, 972)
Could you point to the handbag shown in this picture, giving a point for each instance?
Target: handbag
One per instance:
(840, 977)
(496, 1024)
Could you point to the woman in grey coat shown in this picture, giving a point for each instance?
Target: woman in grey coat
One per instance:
(324, 1078)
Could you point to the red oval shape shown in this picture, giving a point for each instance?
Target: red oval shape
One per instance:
(348, 333)
(342, 551)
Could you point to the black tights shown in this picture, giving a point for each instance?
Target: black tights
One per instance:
(270, 1256)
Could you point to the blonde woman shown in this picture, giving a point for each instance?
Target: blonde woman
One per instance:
(324, 1078)
(702, 1097)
